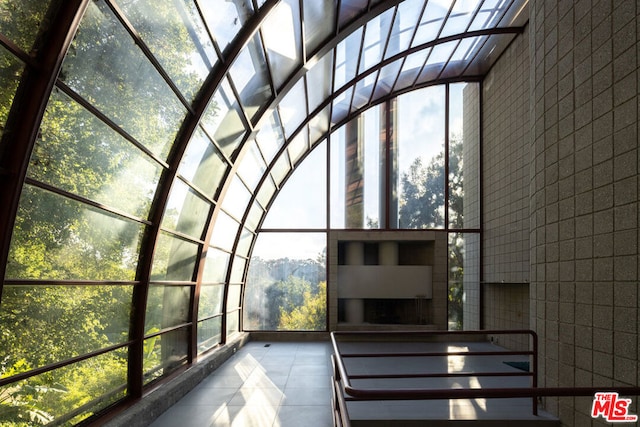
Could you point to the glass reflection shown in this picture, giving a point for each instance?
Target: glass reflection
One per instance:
(286, 283)
(174, 259)
(203, 164)
(225, 18)
(133, 94)
(252, 166)
(163, 354)
(223, 120)
(185, 212)
(250, 76)
(167, 306)
(215, 267)
(209, 333)
(282, 38)
(319, 22)
(59, 238)
(210, 303)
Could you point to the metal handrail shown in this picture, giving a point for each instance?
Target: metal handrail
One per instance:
(342, 379)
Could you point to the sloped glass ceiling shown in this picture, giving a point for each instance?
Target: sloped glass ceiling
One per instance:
(169, 133)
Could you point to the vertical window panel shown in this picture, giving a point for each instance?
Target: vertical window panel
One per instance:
(133, 94)
(319, 79)
(236, 198)
(293, 108)
(270, 138)
(287, 283)
(421, 138)
(237, 270)
(252, 166)
(404, 26)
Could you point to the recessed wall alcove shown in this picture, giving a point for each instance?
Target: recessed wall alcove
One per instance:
(388, 279)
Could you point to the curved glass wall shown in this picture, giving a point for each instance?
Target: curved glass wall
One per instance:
(181, 148)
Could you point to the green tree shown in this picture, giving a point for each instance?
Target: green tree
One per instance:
(422, 205)
(311, 315)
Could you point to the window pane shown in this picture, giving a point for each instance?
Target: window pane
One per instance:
(286, 284)
(167, 306)
(237, 270)
(233, 323)
(302, 201)
(225, 19)
(298, 146)
(177, 37)
(133, 94)
(346, 61)
(236, 199)
(223, 120)
(464, 156)
(267, 190)
(270, 138)
(356, 173)
(20, 21)
(47, 324)
(224, 233)
(164, 353)
(233, 299)
(376, 33)
(293, 108)
(70, 394)
(80, 154)
(404, 26)
(209, 333)
(210, 303)
(174, 259)
(185, 212)
(252, 166)
(319, 81)
(10, 72)
(215, 266)
(203, 164)
(244, 244)
(421, 124)
(254, 217)
(281, 31)
(319, 22)
(249, 73)
(59, 238)
(464, 277)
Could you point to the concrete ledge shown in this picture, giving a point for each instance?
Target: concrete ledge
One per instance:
(154, 404)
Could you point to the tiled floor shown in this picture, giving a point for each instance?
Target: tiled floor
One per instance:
(264, 385)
